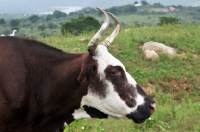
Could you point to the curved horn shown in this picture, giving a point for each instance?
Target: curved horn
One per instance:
(92, 45)
(114, 34)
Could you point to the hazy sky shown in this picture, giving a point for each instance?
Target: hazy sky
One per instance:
(27, 6)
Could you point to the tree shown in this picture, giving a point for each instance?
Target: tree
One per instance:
(122, 9)
(135, 3)
(144, 2)
(76, 26)
(52, 26)
(2, 21)
(71, 13)
(34, 18)
(42, 27)
(157, 5)
(49, 17)
(58, 14)
(129, 9)
(115, 10)
(14, 23)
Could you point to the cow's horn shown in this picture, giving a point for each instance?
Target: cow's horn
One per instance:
(114, 34)
(92, 45)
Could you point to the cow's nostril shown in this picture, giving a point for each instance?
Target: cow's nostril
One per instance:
(152, 107)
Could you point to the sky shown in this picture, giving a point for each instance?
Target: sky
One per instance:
(30, 6)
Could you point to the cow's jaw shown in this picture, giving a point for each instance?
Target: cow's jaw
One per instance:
(107, 100)
(112, 105)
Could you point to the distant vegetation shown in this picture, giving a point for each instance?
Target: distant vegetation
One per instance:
(168, 20)
(76, 26)
(34, 26)
(127, 9)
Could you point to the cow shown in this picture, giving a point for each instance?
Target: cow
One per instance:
(43, 89)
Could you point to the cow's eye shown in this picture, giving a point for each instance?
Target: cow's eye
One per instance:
(116, 73)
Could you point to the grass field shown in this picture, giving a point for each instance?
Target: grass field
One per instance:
(174, 82)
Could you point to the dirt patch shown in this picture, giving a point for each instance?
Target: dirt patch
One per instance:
(174, 87)
(179, 85)
(150, 89)
(198, 78)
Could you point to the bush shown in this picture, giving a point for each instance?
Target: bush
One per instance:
(168, 20)
(14, 23)
(52, 26)
(76, 26)
(34, 18)
(58, 14)
(49, 17)
(42, 27)
(2, 21)
(158, 5)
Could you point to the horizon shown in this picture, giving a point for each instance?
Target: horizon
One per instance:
(46, 8)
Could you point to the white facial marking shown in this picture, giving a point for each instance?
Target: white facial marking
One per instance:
(111, 105)
(139, 100)
(80, 113)
(130, 79)
(104, 58)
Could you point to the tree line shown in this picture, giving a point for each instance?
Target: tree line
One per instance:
(79, 21)
(15, 23)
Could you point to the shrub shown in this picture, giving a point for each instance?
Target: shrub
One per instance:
(168, 20)
(2, 21)
(14, 23)
(34, 18)
(76, 26)
(58, 14)
(49, 17)
(42, 27)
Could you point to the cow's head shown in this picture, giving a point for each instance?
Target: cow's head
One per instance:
(112, 92)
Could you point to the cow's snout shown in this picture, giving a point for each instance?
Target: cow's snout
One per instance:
(152, 107)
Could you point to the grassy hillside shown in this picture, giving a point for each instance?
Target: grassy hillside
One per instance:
(174, 82)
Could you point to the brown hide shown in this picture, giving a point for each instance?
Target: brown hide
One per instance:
(39, 85)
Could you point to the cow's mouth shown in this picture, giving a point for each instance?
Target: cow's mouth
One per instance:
(137, 119)
(94, 113)
(142, 112)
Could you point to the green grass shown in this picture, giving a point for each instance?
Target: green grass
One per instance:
(176, 80)
(170, 116)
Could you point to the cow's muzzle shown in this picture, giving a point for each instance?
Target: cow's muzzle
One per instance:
(152, 107)
(143, 112)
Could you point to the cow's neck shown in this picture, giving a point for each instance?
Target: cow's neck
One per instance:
(60, 91)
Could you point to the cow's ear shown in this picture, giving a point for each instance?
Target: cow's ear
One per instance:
(91, 70)
(87, 72)
(82, 74)
(88, 68)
